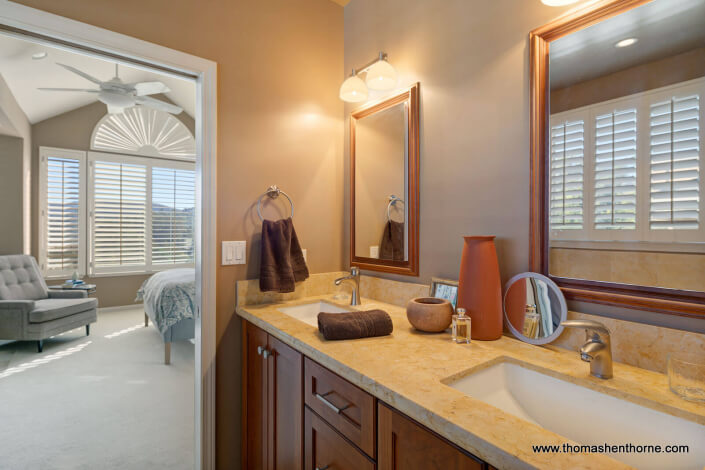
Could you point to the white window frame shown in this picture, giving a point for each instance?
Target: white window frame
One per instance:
(642, 238)
(149, 163)
(581, 114)
(44, 154)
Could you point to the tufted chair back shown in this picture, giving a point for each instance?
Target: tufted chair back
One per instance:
(20, 279)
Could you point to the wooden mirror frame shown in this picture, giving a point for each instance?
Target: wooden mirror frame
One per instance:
(410, 267)
(656, 299)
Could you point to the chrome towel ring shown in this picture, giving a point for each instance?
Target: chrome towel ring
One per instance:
(392, 200)
(273, 192)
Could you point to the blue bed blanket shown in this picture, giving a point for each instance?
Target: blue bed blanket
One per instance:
(169, 297)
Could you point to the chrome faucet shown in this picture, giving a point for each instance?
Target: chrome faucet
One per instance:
(598, 348)
(354, 278)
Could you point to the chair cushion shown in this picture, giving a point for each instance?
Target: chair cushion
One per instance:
(51, 309)
(20, 279)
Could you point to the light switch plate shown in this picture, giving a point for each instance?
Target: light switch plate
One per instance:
(234, 253)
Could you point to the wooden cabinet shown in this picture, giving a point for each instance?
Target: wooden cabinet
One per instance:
(325, 448)
(405, 444)
(297, 414)
(273, 403)
(349, 409)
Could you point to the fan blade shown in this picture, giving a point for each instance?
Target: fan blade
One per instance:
(157, 104)
(115, 109)
(150, 88)
(70, 89)
(80, 73)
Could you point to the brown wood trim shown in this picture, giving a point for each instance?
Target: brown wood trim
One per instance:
(653, 299)
(410, 267)
(243, 392)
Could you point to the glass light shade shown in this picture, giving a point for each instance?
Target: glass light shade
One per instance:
(558, 3)
(353, 90)
(381, 76)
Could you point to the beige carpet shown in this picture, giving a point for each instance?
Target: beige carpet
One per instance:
(104, 401)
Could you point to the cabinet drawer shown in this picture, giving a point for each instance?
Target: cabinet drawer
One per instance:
(344, 406)
(325, 448)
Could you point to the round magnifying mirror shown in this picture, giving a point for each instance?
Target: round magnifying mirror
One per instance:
(534, 308)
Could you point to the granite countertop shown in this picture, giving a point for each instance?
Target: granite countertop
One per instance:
(408, 369)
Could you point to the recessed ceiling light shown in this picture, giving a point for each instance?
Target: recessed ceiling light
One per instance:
(558, 3)
(626, 42)
(39, 55)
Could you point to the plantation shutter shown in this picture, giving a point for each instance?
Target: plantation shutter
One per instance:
(615, 170)
(173, 206)
(567, 166)
(675, 164)
(62, 215)
(119, 216)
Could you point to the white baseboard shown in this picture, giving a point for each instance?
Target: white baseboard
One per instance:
(119, 308)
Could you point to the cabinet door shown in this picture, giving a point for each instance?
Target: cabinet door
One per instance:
(404, 444)
(285, 397)
(255, 397)
(325, 448)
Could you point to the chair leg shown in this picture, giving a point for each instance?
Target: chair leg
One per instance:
(40, 345)
(167, 353)
(88, 330)
(146, 320)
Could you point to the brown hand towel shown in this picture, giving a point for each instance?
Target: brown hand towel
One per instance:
(392, 246)
(282, 261)
(354, 325)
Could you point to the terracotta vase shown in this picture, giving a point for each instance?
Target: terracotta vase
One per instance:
(479, 289)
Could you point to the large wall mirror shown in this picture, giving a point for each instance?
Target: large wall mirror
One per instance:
(384, 190)
(618, 120)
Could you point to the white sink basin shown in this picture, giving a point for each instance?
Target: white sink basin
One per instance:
(308, 313)
(586, 416)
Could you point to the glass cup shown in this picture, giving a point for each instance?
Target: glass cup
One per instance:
(686, 375)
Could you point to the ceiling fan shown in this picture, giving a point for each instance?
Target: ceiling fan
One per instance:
(118, 95)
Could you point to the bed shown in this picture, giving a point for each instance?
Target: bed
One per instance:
(169, 299)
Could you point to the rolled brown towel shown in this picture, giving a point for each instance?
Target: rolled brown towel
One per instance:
(354, 325)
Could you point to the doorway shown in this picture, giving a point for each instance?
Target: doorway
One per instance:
(50, 31)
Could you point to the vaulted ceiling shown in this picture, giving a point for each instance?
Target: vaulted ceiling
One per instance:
(24, 75)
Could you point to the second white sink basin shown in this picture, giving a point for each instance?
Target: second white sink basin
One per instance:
(586, 416)
(308, 313)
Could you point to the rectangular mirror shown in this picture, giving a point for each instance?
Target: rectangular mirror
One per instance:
(618, 159)
(384, 156)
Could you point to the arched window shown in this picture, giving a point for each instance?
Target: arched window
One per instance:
(146, 132)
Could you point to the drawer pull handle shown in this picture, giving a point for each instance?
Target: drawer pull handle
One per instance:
(266, 354)
(330, 405)
(322, 468)
(259, 350)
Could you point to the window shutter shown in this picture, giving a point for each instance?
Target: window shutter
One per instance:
(173, 206)
(119, 216)
(567, 165)
(615, 170)
(675, 164)
(63, 214)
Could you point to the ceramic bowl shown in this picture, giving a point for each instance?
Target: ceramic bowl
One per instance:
(429, 314)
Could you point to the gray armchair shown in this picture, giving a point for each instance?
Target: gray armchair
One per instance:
(29, 311)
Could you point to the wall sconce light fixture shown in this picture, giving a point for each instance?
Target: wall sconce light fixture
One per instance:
(379, 75)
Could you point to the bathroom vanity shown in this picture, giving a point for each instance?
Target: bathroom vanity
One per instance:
(416, 400)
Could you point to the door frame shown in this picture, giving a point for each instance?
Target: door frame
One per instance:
(46, 27)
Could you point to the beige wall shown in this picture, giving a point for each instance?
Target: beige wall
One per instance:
(11, 240)
(280, 64)
(471, 59)
(14, 122)
(656, 74)
(673, 270)
(380, 168)
(73, 130)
